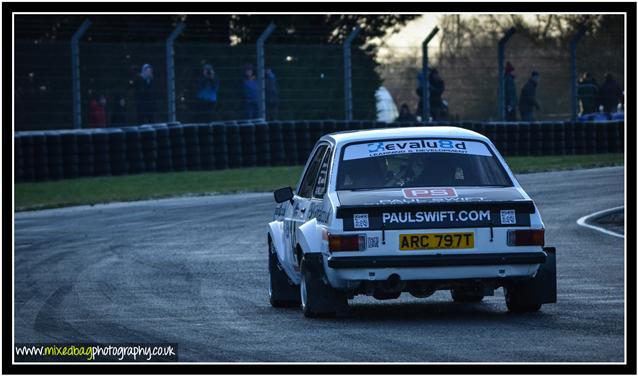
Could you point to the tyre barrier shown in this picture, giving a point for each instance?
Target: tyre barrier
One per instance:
(86, 164)
(579, 138)
(148, 142)
(277, 150)
(54, 155)
(263, 145)
(512, 135)
(234, 145)
(67, 154)
(117, 151)
(559, 138)
(602, 144)
(315, 130)
(134, 154)
(164, 161)
(302, 139)
(290, 142)
(547, 138)
(40, 156)
(26, 144)
(18, 158)
(178, 146)
(220, 146)
(191, 145)
(206, 155)
(248, 142)
(524, 139)
(101, 157)
(70, 155)
(591, 143)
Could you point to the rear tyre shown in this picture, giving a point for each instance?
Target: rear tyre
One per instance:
(462, 296)
(318, 299)
(281, 291)
(518, 302)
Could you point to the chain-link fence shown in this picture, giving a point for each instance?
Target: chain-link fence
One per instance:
(302, 81)
(471, 74)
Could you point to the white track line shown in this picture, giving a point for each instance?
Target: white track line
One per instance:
(583, 222)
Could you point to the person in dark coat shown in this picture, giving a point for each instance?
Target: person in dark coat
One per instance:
(145, 96)
(250, 91)
(405, 114)
(588, 96)
(437, 87)
(118, 112)
(611, 94)
(511, 99)
(527, 102)
(206, 101)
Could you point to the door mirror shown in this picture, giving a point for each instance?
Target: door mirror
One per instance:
(283, 195)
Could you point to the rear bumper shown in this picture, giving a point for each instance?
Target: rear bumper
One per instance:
(421, 261)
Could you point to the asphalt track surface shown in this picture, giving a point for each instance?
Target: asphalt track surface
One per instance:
(194, 271)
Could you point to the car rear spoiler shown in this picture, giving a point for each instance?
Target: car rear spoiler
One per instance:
(522, 206)
(437, 215)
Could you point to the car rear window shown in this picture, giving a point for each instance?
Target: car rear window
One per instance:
(419, 163)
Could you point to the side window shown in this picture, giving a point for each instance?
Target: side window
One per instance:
(305, 188)
(322, 179)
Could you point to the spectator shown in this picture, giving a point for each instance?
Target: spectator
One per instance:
(405, 114)
(97, 112)
(510, 93)
(587, 91)
(272, 95)
(145, 95)
(437, 86)
(419, 92)
(610, 94)
(251, 95)
(118, 113)
(527, 102)
(207, 88)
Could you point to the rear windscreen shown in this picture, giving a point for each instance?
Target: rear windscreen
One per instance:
(419, 163)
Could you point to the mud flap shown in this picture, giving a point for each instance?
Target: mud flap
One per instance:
(542, 288)
(329, 300)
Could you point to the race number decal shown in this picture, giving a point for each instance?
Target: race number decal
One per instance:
(429, 192)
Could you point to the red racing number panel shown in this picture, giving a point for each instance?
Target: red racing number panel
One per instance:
(428, 192)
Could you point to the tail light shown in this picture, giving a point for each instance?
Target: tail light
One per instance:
(526, 237)
(346, 243)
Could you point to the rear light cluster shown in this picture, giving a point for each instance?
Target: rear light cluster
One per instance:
(526, 237)
(346, 243)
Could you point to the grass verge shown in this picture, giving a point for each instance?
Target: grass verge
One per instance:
(33, 196)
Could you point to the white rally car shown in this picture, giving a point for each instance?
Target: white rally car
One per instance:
(415, 210)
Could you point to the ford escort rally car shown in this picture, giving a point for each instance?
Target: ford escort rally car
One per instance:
(387, 211)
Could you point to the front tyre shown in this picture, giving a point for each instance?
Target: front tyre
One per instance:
(281, 291)
(318, 299)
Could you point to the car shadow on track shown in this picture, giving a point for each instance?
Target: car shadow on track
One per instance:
(436, 311)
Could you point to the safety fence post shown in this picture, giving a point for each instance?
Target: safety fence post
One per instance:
(261, 67)
(347, 73)
(425, 85)
(170, 71)
(75, 73)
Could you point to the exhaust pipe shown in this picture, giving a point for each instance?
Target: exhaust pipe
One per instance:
(394, 281)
